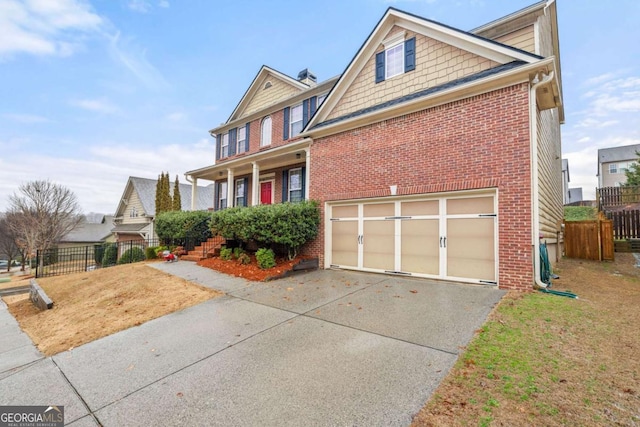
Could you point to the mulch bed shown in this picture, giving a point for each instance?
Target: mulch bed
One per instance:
(250, 271)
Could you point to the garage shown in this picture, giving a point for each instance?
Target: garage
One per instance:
(451, 237)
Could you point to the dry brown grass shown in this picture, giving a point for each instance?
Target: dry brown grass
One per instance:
(91, 305)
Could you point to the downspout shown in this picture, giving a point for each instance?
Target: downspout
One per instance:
(533, 123)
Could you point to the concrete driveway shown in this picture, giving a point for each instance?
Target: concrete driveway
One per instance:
(321, 348)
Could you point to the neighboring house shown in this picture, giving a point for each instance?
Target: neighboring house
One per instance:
(613, 163)
(435, 154)
(136, 210)
(565, 181)
(80, 242)
(575, 195)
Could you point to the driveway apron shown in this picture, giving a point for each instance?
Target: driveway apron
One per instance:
(328, 347)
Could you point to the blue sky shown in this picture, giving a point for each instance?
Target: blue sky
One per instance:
(92, 92)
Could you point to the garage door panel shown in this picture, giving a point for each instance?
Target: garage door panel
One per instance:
(344, 235)
(379, 210)
(420, 246)
(379, 245)
(471, 248)
(349, 211)
(422, 207)
(470, 205)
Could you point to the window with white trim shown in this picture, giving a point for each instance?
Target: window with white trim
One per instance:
(295, 185)
(224, 151)
(394, 60)
(295, 120)
(242, 140)
(265, 133)
(613, 168)
(240, 191)
(133, 213)
(321, 99)
(222, 195)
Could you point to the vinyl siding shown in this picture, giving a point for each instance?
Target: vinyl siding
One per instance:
(522, 39)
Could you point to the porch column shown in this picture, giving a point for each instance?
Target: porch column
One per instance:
(194, 193)
(230, 188)
(307, 173)
(255, 184)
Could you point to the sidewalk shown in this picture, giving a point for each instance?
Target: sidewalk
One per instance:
(322, 348)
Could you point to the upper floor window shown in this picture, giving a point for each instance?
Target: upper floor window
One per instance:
(242, 140)
(394, 61)
(398, 57)
(321, 99)
(224, 152)
(133, 213)
(265, 133)
(613, 168)
(295, 120)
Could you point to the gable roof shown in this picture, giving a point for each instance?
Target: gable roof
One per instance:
(490, 49)
(255, 86)
(145, 188)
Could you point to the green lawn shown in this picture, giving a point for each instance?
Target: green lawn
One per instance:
(580, 213)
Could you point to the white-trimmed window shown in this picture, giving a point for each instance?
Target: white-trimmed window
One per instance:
(222, 195)
(320, 100)
(295, 120)
(613, 168)
(224, 149)
(133, 213)
(240, 192)
(295, 185)
(242, 140)
(265, 132)
(394, 60)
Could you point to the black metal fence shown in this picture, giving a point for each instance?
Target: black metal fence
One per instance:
(66, 260)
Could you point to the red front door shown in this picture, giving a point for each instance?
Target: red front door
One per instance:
(265, 193)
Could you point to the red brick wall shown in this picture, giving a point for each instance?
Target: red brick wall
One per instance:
(480, 142)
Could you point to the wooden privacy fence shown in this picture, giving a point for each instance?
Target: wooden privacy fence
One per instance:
(589, 240)
(617, 196)
(626, 224)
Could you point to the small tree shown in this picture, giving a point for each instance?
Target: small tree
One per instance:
(633, 173)
(42, 214)
(177, 200)
(159, 194)
(163, 194)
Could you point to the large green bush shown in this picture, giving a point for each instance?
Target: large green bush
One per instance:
(288, 224)
(110, 255)
(134, 254)
(177, 225)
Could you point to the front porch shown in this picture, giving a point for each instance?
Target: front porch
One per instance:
(274, 175)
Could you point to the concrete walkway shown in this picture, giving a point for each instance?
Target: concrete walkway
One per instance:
(321, 348)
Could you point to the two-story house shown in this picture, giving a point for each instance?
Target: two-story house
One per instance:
(436, 153)
(613, 162)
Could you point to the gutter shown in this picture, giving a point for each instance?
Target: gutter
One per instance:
(533, 124)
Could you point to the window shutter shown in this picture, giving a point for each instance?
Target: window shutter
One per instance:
(380, 67)
(313, 101)
(303, 179)
(216, 193)
(246, 148)
(285, 186)
(305, 112)
(233, 136)
(410, 55)
(218, 145)
(285, 131)
(246, 191)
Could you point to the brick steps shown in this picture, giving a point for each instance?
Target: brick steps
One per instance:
(207, 249)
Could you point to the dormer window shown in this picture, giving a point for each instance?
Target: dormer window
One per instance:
(398, 57)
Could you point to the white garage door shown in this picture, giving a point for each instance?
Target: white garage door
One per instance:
(451, 238)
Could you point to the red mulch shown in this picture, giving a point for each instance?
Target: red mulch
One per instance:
(249, 271)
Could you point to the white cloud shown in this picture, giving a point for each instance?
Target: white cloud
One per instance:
(593, 123)
(45, 27)
(163, 4)
(26, 118)
(96, 105)
(141, 6)
(135, 60)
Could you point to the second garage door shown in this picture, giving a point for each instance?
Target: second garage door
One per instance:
(451, 238)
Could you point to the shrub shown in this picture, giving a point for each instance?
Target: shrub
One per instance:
(160, 249)
(134, 254)
(177, 225)
(244, 259)
(237, 252)
(288, 224)
(98, 253)
(150, 252)
(110, 255)
(266, 258)
(226, 253)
